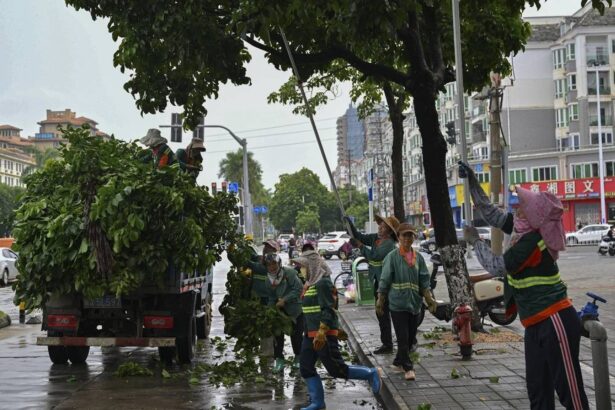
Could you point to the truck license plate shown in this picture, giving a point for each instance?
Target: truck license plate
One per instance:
(106, 302)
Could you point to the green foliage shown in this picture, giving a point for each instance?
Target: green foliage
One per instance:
(98, 220)
(231, 169)
(297, 191)
(245, 318)
(308, 220)
(455, 373)
(356, 204)
(9, 202)
(130, 369)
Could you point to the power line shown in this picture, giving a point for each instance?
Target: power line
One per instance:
(295, 124)
(268, 135)
(274, 146)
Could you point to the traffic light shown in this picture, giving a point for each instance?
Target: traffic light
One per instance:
(214, 188)
(224, 185)
(199, 131)
(176, 128)
(451, 132)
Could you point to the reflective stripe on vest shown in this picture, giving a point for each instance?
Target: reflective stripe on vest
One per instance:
(260, 277)
(376, 263)
(534, 281)
(405, 285)
(310, 309)
(311, 292)
(541, 245)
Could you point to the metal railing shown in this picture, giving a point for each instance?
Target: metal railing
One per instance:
(605, 120)
(604, 90)
(594, 58)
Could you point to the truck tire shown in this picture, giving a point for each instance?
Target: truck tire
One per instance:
(166, 354)
(58, 354)
(186, 345)
(78, 354)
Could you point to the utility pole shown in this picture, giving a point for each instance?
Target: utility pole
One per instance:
(600, 155)
(495, 106)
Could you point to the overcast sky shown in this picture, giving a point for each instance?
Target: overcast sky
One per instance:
(53, 57)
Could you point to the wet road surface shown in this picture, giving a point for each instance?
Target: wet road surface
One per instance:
(28, 380)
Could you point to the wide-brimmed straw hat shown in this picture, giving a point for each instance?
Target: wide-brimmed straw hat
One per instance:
(389, 221)
(272, 243)
(406, 227)
(153, 138)
(197, 143)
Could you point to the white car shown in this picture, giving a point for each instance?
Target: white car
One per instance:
(331, 243)
(587, 234)
(8, 271)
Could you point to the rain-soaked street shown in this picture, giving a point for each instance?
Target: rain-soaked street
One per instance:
(28, 380)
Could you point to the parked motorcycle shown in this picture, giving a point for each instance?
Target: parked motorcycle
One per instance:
(488, 291)
(607, 245)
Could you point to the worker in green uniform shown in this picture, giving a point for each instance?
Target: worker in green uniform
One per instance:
(259, 271)
(375, 247)
(533, 287)
(161, 155)
(404, 283)
(321, 334)
(190, 159)
(284, 293)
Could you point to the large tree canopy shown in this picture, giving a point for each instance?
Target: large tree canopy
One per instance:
(231, 169)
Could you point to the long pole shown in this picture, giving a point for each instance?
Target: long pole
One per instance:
(309, 110)
(600, 158)
(460, 108)
(496, 158)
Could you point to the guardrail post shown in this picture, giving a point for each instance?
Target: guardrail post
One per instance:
(600, 361)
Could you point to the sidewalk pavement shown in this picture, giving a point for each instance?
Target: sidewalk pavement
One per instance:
(493, 379)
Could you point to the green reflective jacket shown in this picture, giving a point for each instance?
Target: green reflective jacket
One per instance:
(375, 252)
(402, 283)
(288, 289)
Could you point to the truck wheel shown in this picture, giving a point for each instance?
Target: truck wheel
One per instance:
(58, 354)
(78, 354)
(327, 256)
(186, 345)
(166, 354)
(611, 251)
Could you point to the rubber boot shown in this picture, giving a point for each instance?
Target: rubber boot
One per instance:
(316, 393)
(371, 374)
(296, 364)
(279, 365)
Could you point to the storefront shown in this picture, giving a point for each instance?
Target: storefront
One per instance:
(580, 198)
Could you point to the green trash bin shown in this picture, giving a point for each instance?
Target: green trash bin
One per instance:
(363, 284)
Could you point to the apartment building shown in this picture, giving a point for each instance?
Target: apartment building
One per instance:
(49, 135)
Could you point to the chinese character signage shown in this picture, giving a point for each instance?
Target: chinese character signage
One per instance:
(586, 188)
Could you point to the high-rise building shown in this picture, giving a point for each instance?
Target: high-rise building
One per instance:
(350, 146)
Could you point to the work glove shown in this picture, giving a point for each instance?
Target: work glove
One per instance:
(353, 230)
(321, 337)
(342, 335)
(380, 302)
(356, 243)
(470, 234)
(280, 303)
(432, 305)
(247, 272)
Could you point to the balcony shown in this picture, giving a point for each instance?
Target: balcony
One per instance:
(597, 59)
(606, 120)
(479, 136)
(604, 90)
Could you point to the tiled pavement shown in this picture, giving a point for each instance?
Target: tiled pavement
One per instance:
(476, 388)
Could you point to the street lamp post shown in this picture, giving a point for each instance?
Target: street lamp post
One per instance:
(600, 157)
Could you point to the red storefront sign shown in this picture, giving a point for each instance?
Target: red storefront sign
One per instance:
(585, 188)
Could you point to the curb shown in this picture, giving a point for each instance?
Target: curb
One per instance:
(388, 396)
(5, 320)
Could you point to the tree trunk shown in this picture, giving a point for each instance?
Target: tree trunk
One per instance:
(434, 163)
(397, 122)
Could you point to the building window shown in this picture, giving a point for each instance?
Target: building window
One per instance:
(559, 58)
(544, 173)
(570, 51)
(572, 82)
(573, 112)
(607, 138)
(613, 46)
(561, 117)
(517, 176)
(585, 170)
(610, 169)
(482, 176)
(560, 88)
(571, 142)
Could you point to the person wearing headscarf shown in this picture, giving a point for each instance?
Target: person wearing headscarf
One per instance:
(320, 340)
(161, 154)
(191, 159)
(374, 247)
(404, 282)
(534, 288)
(284, 289)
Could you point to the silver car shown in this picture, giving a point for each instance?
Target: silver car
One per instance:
(8, 271)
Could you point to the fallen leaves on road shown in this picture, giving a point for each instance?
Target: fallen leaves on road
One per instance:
(129, 369)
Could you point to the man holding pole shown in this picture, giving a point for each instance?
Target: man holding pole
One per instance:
(378, 247)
